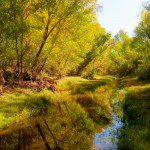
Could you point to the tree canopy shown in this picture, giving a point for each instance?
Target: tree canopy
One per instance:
(65, 38)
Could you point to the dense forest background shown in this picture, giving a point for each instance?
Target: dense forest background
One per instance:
(63, 37)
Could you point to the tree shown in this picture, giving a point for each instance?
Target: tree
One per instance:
(13, 30)
(58, 16)
(142, 44)
(123, 59)
(31, 30)
(96, 49)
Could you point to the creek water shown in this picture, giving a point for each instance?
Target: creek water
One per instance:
(108, 138)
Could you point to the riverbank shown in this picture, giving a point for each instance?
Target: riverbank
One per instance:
(77, 110)
(55, 119)
(131, 130)
(135, 133)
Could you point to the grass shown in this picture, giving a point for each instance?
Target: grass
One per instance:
(21, 109)
(68, 83)
(22, 104)
(18, 106)
(136, 133)
(79, 85)
(106, 78)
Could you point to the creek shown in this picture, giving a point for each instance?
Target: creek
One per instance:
(108, 138)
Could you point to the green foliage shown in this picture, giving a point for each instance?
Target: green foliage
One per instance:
(32, 31)
(122, 57)
(142, 41)
(63, 37)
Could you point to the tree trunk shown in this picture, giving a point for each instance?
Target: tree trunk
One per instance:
(45, 37)
(100, 41)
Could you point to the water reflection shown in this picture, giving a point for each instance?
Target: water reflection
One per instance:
(107, 140)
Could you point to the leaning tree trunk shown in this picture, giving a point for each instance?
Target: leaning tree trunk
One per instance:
(100, 41)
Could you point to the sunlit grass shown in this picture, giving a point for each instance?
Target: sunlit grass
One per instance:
(25, 103)
(79, 85)
(141, 88)
(15, 106)
(107, 78)
(68, 82)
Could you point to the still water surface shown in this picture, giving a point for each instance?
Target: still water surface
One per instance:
(107, 140)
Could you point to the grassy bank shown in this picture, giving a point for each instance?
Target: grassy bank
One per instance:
(69, 114)
(20, 105)
(94, 96)
(135, 134)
